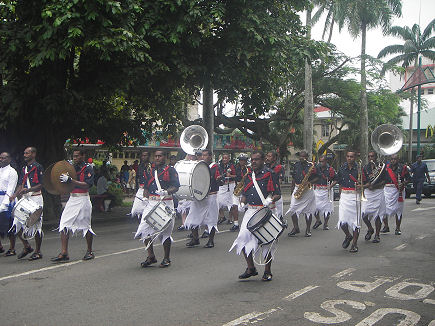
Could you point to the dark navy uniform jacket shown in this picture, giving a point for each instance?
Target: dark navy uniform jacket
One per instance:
(168, 177)
(223, 168)
(368, 171)
(419, 171)
(278, 169)
(300, 170)
(346, 177)
(267, 181)
(399, 169)
(34, 174)
(214, 174)
(324, 174)
(241, 172)
(141, 173)
(85, 173)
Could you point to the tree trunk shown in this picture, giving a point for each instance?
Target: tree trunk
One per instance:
(411, 112)
(308, 103)
(364, 146)
(331, 28)
(208, 113)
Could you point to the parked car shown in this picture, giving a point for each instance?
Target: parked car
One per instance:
(428, 189)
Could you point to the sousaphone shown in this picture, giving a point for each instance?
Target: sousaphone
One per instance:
(51, 181)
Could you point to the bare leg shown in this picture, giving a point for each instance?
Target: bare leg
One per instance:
(355, 239)
(268, 266)
(249, 260)
(325, 226)
(12, 238)
(150, 249)
(308, 219)
(398, 222)
(64, 236)
(345, 229)
(24, 241)
(38, 242)
(378, 225)
(195, 235)
(167, 247)
(295, 224)
(89, 238)
(234, 213)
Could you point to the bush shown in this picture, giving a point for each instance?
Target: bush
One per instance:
(116, 191)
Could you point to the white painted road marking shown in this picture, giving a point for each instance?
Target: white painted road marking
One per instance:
(423, 209)
(345, 272)
(8, 277)
(362, 286)
(296, 294)
(252, 317)
(400, 247)
(421, 237)
(429, 301)
(423, 292)
(340, 316)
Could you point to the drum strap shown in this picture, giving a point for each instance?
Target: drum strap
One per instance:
(257, 188)
(28, 181)
(156, 177)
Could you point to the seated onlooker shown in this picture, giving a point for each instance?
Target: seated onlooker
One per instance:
(102, 187)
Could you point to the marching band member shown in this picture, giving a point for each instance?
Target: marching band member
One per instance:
(278, 169)
(374, 207)
(246, 242)
(205, 212)
(77, 213)
(307, 203)
(347, 178)
(155, 190)
(139, 200)
(241, 170)
(8, 182)
(322, 191)
(396, 178)
(225, 193)
(30, 184)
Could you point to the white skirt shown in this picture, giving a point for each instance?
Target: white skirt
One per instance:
(145, 231)
(76, 215)
(183, 206)
(246, 240)
(305, 205)
(279, 207)
(138, 204)
(204, 212)
(225, 196)
(35, 228)
(393, 206)
(347, 211)
(375, 204)
(323, 205)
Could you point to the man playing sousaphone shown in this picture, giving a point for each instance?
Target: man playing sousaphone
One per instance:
(30, 185)
(154, 191)
(246, 242)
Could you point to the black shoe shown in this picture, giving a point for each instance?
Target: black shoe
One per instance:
(229, 222)
(181, 228)
(165, 263)
(209, 244)
(417, 202)
(397, 232)
(221, 220)
(385, 229)
(190, 236)
(248, 273)
(325, 227)
(148, 262)
(25, 252)
(60, 259)
(369, 235)
(192, 243)
(293, 232)
(307, 234)
(89, 255)
(317, 224)
(346, 242)
(205, 235)
(234, 228)
(267, 277)
(10, 252)
(353, 249)
(376, 239)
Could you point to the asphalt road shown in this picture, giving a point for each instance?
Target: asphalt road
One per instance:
(315, 281)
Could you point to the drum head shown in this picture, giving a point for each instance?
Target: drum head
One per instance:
(200, 180)
(259, 218)
(34, 217)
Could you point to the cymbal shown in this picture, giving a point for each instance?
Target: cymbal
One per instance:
(46, 181)
(59, 168)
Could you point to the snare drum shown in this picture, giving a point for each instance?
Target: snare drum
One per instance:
(194, 177)
(27, 212)
(265, 226)
(160, 216)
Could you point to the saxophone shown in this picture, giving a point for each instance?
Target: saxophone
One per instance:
(305, 184)
(238, 189)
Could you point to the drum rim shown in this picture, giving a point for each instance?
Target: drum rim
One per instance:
(255, 226)
(189, 186)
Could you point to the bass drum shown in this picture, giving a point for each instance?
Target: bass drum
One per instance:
(194, 179)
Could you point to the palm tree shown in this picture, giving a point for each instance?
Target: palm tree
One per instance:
(329, 7)
(360, 15)
(308, 95)
(415, 45)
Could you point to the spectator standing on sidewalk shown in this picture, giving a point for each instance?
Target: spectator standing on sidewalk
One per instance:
(419, 174)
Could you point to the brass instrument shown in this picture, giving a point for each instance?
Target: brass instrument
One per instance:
(238, 189)
(359, 199)
(50, 179)
(194, 138)
(305, 184)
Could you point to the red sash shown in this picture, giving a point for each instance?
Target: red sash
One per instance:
(81, 177)
(270, 186)
(393, 177)
(165, 173)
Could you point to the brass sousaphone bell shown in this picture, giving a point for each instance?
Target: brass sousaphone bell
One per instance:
(194, 138)
(51, 181)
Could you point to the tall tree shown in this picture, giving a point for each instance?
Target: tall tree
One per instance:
(329, 7)
(415, 44)
(308, 95)
(358, 16)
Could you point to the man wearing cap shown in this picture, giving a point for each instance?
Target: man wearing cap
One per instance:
(419, 172)
(8, 182)
(241, 172)
(30, 185)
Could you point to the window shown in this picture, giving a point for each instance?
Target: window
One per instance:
(325, 130)
(430, 91)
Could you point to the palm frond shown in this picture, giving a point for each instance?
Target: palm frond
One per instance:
(404, 32)
(428, 44)
(391, 49)
(428, 30)
(430, 54)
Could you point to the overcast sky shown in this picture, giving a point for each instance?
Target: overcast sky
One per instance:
(376, 41)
